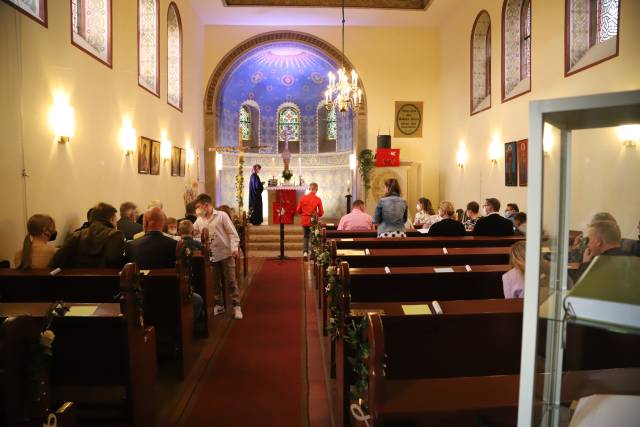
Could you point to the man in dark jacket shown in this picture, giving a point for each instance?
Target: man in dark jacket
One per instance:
(98, 246)
(154, 249)
(493, 224)
(127, 223)
(190, 213)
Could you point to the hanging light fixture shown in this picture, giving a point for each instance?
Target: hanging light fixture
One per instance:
(343, 94)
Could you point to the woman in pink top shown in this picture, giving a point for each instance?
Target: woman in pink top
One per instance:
(513, 280)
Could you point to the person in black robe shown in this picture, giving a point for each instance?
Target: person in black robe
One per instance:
(255, 196)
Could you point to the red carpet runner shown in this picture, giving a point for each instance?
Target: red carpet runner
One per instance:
(257, 378)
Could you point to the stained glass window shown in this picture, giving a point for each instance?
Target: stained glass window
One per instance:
(148, 45)
(174, 57)
(289, 121)
(480, 62)
(91, 27)
(608, 19)
(525, 70)
(245, 124)
(332, 125)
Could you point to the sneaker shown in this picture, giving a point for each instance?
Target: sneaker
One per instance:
(218, 309)
(305, 254)
(237, 312)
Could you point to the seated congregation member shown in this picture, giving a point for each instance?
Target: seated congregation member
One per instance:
(576, 252)
(447, 226)
(391, 211)
(357, 219)
(424, 213)
(190, 213)
(520, 223)
(603, 239)
(100, 245)
(87, 222)
(154, 249)
(511, 211)
(36, 252)
(310, 204)
(513, 280)
(224, 250)
(493, 224)
(473, 215)
(127, 222)
(171, 227)
(185, 231)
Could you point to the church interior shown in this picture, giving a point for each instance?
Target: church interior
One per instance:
(288, 213)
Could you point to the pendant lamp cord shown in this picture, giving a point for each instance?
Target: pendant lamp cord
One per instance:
(343, 33)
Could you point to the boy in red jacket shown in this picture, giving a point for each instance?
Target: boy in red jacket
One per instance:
(309, 205)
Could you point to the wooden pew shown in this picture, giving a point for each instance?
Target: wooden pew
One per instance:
(102, 359)
(426, 242)
(441, 348)
(167, 303)
(418, 257)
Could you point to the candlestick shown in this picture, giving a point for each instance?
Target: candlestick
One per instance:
(273, 166)
(299, 166)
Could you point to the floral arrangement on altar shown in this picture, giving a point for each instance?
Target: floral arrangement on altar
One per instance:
(287, 174)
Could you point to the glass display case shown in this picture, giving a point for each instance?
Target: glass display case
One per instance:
(565, 358)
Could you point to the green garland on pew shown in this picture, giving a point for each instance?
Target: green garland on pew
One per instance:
(316, 236)
(356, 339)
(334, 291)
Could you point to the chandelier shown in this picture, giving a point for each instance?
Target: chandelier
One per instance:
(343, 94)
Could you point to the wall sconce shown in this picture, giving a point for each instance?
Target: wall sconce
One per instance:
(547, 139)
(352, 161)
(218, 161)
(128, 137)
(165, 147)
(494, 149)
(190, 155)
(461, 155)
(629, 135)
(62, 118)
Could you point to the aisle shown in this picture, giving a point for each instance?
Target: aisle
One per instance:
(258, 377)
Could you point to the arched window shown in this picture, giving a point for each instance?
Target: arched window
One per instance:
(327, 129)
(244, 122)
(516, 48)
(591, 33)
(149, 45)
(481, 63)
(174, 57)
(91, 28)
(289, 127)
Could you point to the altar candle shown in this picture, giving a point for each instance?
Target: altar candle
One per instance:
(273, 165)
(300, 166)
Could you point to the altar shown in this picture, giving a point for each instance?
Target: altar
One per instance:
(283, 200)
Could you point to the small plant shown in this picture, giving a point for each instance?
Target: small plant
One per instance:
(286, 174)
(366, 163)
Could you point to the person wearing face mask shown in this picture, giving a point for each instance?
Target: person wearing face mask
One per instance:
(511, 211)
(493, 224)
(35, 252)
(171, 228)
(520, 223)
(425, 215)
(100, 245)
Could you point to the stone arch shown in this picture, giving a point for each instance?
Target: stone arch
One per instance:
(212, 93)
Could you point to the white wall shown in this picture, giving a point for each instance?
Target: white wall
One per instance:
(509, 121)
(66, 179)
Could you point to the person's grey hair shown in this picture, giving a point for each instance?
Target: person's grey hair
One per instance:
(154, 204)
(609, 231)
(126, 208)
(602, 216)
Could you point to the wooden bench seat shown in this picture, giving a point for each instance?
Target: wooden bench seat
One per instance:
(424, 242)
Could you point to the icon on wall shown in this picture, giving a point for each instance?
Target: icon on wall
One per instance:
(155, 157)
(183, 162)
(175, 161)
(523, 162)
(511, 164)
(144, 154)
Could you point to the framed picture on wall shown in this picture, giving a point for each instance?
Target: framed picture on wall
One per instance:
(511, 164)
(144, 155)
(155, 157)
(175, 161)
(34, 9)
(183, 162)
(523, 162)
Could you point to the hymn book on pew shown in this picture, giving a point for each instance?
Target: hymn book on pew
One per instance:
(608, 292)
(416, 309)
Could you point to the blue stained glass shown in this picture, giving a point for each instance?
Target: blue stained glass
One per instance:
(289, 121)
(245, 124)
(332, 125)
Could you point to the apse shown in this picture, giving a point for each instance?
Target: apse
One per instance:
(275, 86)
